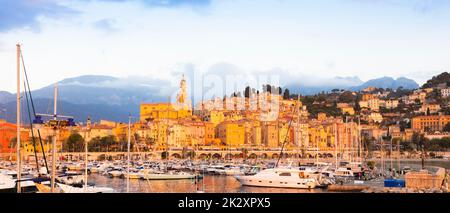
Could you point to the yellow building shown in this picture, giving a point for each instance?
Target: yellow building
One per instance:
(284, 134)
(210, 136)
(346, 108)
(270, 134)
(150, 111)
(252, 132)
(321, 136)
(98, 131)
(231, 133)
(321, 116)
(214, 116)
(180, 109)
(430, 123)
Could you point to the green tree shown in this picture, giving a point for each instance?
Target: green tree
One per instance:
(103, 144)
(347, 97)
(12, 143)
(407, 146)
(418, 140)
(369, 145)
(436, 80)
(244, 153)
(164, 155)
(74, 143)
(247, 92)
(286, 94)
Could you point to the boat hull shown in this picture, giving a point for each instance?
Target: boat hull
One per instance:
(89, 189)
(133, 175)
(263, 182)
(166, 177)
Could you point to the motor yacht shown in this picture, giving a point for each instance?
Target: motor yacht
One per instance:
(167, 176)
(280, 178)
(89, 189)
(343, 174)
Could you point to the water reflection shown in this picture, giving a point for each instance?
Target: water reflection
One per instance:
(209, 184)
(225, 184)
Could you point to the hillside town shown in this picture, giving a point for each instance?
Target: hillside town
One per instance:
(353, 123)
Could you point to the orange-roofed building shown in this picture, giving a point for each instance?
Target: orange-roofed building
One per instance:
(8, 132)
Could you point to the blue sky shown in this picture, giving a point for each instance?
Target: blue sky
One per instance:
(155, 38)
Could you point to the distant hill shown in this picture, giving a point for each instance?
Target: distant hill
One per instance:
(436, 80)
(79, 111)
(387, 82)
(103, 90)
(106, 97)
(88, 79)
(6, 97)
(353, 84)
(311, 85)
(101, 97)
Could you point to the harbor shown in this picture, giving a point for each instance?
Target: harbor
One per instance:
(272, 144)
(186, 176)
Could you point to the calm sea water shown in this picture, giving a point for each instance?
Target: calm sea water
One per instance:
(209, 184)
(416, 164)
(225, 184)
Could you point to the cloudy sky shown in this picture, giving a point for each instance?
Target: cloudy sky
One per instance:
(153, 38)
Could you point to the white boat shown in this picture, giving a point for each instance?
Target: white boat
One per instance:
(90, 189)
(167, 176)
(75, 167)
(233, 171)
(343, 173)
(7, 184)
(115, 173)
(215, 169)
(100, 168)
(133, 175)
(280, 178)
(71, 180)
(43, 171)
(355, 167)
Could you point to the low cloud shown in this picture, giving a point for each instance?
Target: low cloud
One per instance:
(16, 14)
(167, 3)
(106, 25)
(25, 13)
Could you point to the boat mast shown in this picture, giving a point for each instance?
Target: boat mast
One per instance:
(390, 152)
(317, 154)
(350, 140)
(398, 155)
(335, 145)
(55, 131)
(359, 139)
(168, 132)
(128, 151)
(18, 157)
(85, 164)
(346, 135)
(287, 133)
(382, 155)
(299, 136)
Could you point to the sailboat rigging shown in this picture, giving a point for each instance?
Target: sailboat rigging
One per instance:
(36, 119)
(287, 133)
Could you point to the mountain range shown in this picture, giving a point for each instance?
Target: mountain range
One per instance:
(106, 97)
(350, 83)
